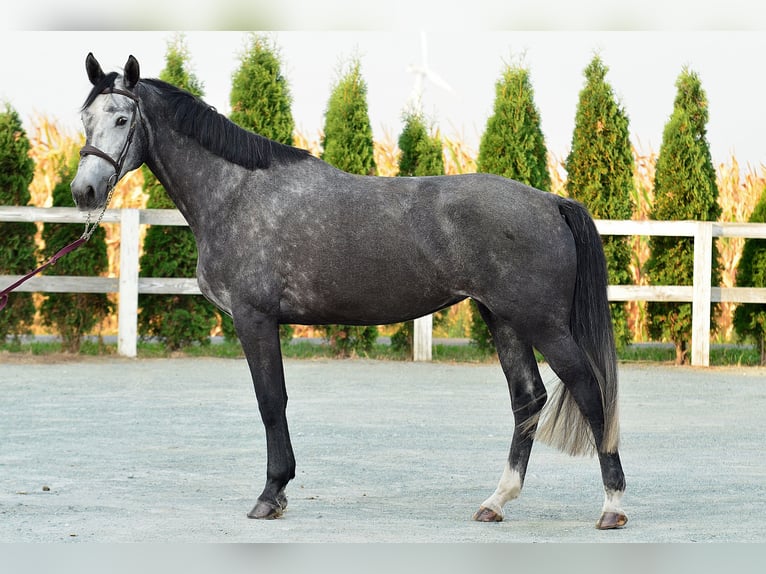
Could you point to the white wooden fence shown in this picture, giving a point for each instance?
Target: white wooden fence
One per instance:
(129, 285)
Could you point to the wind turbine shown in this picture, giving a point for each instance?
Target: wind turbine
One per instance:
(422, 73)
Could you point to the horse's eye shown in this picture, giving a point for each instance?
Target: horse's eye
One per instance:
(121, 121)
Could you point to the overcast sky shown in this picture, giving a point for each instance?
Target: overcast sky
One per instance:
(42, 72)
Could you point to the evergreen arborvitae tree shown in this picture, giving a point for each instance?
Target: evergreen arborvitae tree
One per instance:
(750, 318)
(600, 175)
(176, 320)
(347, 141)
(73, 314)
(684, 188)
(347, 144)
(260, 96)
(18, 252)
(260, 102)
(422, 154)
(513, 146)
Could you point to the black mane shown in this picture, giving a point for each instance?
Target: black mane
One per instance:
(192, 117)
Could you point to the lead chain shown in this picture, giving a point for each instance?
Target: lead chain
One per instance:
(90, 229)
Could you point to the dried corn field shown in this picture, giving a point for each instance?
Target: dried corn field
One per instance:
(739, 189)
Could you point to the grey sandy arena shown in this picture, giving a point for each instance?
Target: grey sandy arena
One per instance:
(161, 450)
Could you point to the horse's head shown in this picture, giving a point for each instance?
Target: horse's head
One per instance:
(114, 138)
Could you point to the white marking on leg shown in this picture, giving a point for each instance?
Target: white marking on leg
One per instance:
(508, 488)
(612, 501)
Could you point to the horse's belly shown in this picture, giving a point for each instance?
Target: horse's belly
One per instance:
(359, 300)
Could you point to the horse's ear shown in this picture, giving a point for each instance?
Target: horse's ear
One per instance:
(95, 73)
(132, 72)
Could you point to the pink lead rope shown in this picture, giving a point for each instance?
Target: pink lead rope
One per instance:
(89, 229)
(69, 248)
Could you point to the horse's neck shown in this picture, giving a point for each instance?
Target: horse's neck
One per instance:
(179, 164)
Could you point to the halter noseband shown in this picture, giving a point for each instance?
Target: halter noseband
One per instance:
(88, 149)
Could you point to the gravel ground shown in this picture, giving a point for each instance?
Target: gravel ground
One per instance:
(172, 450)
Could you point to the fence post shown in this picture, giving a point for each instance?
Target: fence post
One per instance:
(703, 276)
(422, 338)
(127, 321)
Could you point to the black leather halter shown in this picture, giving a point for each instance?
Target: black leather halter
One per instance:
(88, 149)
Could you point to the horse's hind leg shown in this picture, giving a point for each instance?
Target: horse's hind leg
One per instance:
(527, 399)
(259, 336)
(571, 366)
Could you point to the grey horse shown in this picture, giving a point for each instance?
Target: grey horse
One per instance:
(283, 237)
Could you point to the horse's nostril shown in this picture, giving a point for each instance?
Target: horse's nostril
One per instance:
(90, 194)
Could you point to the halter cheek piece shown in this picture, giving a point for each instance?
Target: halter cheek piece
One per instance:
(88, 149)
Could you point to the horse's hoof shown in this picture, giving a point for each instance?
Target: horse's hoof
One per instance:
(487, 515)
(266, 510)
(611, 520)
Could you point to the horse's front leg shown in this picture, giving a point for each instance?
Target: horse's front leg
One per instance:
(259, 336)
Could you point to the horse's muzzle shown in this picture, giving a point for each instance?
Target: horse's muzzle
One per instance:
(88, 196)
(85, 198)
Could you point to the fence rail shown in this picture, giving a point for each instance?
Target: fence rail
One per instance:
(129, 285)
